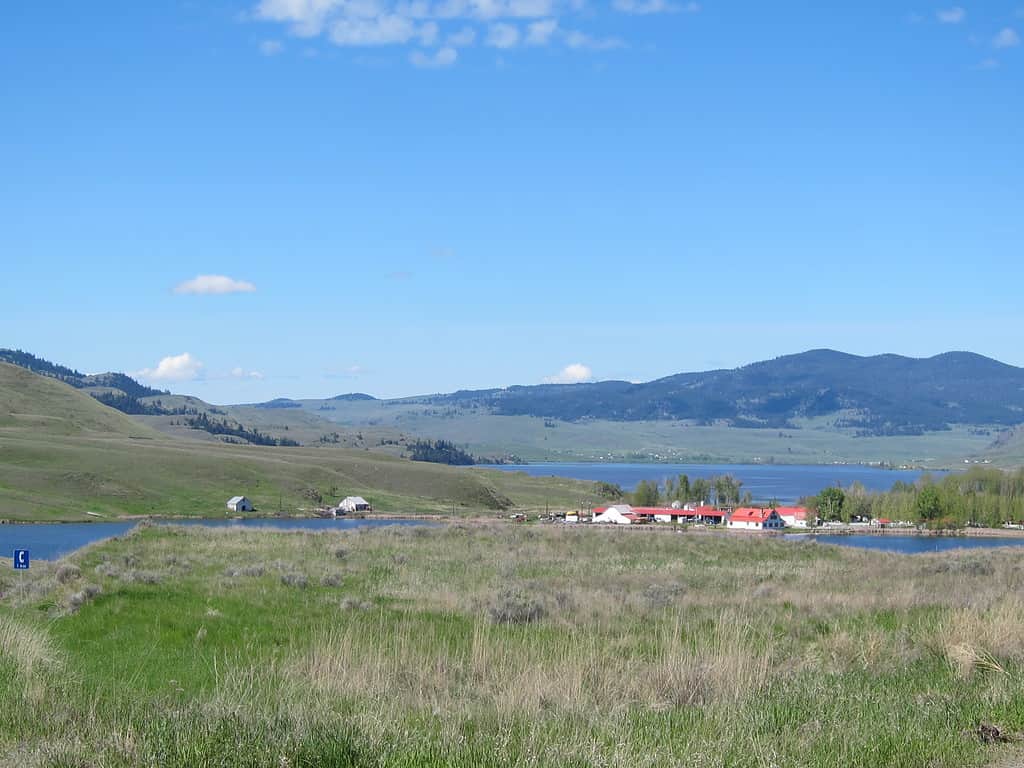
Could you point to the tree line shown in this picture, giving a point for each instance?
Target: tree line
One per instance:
(440, 452)
(982, 497)
(720, 490)
(236, 430)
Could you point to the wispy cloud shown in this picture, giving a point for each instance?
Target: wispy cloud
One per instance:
(953, 15)
(647, 7)
(503, 35)
(464, 38)
(577, 39)
(241, 373)
(1006, 38)
(214, 284)
(540, 32)
(436, 30)
(183, 367)
(575, 373)
(443, 57)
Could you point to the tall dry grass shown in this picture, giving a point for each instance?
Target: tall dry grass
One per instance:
(31, 652)
(505, 670)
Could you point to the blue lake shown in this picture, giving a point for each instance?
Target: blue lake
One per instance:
(911, 545)
(785, 482)
(47, 541)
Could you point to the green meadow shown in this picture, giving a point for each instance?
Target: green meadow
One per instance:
(502, 645)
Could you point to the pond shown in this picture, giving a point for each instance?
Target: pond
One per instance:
(910, 545)
(48, 541)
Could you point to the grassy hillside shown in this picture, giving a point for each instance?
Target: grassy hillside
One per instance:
(39, 405)
(63, 454)
(506, 645)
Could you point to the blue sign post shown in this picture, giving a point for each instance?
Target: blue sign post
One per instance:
(21, 560)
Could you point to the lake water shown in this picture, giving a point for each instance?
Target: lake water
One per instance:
(785, 482)
(911, 545)
(46, 541)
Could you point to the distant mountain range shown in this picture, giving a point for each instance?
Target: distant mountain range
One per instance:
(880, 395)
(872, 396)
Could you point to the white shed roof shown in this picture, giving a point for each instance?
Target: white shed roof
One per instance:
(236, 499)
(354, 500)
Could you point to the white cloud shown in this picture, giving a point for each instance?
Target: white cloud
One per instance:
(575, 373)
(306, 17)
(241, 373)
(952, 15)
(463, 38)
(503, 36)
(1007, 38)
(389, 29)
(181, 367)
(502, 24)
(647, 7)
(214, 284)
(540, 32)
(581, 40)
(988, 63)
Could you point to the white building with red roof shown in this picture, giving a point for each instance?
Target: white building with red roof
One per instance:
(794, 517)
(753, 519)
(688, 514)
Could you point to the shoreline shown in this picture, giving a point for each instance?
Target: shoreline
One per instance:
(696, 463)
(964, 533)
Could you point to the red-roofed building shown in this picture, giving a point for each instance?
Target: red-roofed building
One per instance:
(794, 517)
(681, 515)
(752, 519)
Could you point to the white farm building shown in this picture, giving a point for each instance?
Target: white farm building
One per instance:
(354, 504)
(750, 519)
(239, 504)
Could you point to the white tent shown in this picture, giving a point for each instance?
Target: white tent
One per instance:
(353, 504)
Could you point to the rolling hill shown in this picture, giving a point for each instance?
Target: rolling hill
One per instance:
(62, 454)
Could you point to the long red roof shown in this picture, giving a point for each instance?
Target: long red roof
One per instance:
(800, 513)
(699, 512)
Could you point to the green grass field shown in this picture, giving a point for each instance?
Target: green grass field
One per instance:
(63, 454)
(500, 645)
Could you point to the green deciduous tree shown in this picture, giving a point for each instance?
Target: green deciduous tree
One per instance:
(830, 504)
(929, 503)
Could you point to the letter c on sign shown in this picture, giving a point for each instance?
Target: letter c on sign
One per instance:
(21, 557)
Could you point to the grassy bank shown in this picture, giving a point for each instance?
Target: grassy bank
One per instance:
(501, 645)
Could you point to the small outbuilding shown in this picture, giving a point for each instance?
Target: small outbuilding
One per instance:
(354, 504)
(239, 504)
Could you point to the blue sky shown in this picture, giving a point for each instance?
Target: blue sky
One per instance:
(249, 199)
